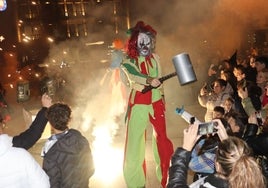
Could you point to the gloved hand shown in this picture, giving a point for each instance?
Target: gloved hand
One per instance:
(180, 110)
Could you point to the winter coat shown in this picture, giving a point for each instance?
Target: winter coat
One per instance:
(179, 169)
(30, 136)
(69, 163)
(210, 101)
(258, 143)
(18, 168)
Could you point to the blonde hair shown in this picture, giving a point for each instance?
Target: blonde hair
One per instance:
(237, 164)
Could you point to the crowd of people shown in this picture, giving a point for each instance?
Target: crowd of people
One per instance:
(67, 157)
(235, 96)
(228, 152)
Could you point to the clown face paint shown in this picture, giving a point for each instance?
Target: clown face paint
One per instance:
(144, 44)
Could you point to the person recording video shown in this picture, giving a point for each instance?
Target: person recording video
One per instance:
(232, 156)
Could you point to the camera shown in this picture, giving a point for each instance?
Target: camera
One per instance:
(44, 90)
(48, 87)
(207, 128)
(259, 118)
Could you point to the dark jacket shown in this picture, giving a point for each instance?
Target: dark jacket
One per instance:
(258, 143)
(30, 136)
(69, 163)
(179, 169)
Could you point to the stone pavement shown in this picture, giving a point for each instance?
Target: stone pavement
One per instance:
(101, 179)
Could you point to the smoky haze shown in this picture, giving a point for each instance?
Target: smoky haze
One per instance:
(208, 31)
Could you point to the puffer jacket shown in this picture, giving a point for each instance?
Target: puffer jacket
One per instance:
(258, 143)
(18, 168)
(179, 169)
(69, 163)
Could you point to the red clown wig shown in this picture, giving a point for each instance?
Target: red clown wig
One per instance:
(140, 27)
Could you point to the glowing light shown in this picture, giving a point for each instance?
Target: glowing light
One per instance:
(50, 39)
(3, 5)
(104, 131)
(9, 75)
(2, 38)
(25, 40)
(11, 86)
(104, 61)
(94, 43)
(106, 171)
(43, 65)
(86, 122)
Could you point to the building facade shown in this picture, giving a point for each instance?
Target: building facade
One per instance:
(40, 23)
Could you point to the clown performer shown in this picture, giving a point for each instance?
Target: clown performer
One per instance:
(142, 68)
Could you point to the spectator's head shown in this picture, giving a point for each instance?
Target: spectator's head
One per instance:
(218, 112)
(262, 76)
(228, 104)
(239, 72)
(219, 86)
(236, 123)
(59, 115)
(234, 162)
(227, 75)
(261, 62)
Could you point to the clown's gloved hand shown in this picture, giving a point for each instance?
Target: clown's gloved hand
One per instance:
(180, 110)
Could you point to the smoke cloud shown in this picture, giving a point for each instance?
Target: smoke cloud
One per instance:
(208, 30)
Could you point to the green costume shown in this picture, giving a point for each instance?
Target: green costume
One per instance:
(143, 109)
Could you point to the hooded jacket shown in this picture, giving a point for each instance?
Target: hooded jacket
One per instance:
(19, 168)
(69, 163)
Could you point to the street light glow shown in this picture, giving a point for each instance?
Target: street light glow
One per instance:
(94, 43)
(2, 38)
(3, 5)
(50, 39)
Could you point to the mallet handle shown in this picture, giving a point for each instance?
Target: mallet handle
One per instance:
(162, 79)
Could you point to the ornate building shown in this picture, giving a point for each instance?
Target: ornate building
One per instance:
(42, 22)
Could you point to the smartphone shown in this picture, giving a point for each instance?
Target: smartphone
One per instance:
(207, 128)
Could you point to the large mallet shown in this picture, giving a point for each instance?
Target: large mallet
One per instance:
(184, 71)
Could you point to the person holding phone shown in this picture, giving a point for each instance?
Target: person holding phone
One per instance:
(204, 152)
(221, 91)
(234, 164)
